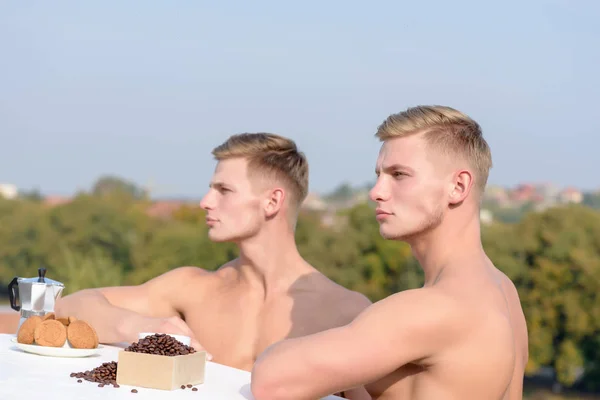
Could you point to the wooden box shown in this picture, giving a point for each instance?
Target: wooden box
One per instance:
(160, 372)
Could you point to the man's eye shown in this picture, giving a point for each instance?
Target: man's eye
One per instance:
(398, 173)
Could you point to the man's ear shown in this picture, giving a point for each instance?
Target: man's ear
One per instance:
(274, 202)
(461, 186)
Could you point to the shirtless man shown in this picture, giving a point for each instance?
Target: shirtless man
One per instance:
(463, 334)
(267, 294)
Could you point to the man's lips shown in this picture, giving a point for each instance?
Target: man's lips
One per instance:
(381, 214)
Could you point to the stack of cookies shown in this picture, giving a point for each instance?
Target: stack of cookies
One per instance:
(54, 332)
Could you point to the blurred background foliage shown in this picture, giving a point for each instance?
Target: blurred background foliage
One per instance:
(107, 237)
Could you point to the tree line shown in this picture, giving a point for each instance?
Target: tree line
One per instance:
(105, 238)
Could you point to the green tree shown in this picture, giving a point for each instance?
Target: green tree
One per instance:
(25, 237)
(341, 193)
(111, 185)
(91, 270)
(553, 257)
(90, 224)
(592, 200)
(560, 290)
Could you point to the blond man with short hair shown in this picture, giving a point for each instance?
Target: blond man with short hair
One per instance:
(267, 294)
(463, 334)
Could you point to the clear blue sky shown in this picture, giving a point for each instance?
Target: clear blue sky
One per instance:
(145, 89)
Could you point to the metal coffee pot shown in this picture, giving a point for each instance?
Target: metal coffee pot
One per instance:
(34, 296)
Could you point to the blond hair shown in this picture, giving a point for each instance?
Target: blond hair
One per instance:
(271, 156)
(445, 129)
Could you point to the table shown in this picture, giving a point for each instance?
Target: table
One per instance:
(25, 375)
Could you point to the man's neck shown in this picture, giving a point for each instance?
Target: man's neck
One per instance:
(271, 261)
(447, 245)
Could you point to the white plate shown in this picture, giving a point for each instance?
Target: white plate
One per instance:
(56, 351)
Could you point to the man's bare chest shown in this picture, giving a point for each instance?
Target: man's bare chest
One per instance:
(235, 331)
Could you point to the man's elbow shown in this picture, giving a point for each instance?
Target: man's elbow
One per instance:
(263, 391)
(266, 386)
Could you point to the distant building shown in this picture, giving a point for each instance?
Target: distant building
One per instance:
(549, 191)
(361, 197)
(570, 195)
(164, 209)
(497, 195)
(523, 193)
(9, 191)
(486, 216)
(544, 205)
(53, 201)
(314, 202)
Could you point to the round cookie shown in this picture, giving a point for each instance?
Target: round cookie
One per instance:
(82, 335)
(48, 316)
(50, 333)
(27, 330)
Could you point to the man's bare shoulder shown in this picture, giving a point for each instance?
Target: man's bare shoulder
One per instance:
(348, 302)
(490, 310)
(517, 314)
(508, 285)
(182, 275)
(186, 280)
(424, 313)
(426, 301)
(426, 297)
(196, 274)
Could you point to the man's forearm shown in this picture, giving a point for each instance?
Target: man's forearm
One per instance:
(283, 372)
(112, 324)
(314, 366)
(359, 393)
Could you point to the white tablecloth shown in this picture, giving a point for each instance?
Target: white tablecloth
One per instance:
(30, 376)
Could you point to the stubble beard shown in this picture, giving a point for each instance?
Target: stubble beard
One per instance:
(432, 221)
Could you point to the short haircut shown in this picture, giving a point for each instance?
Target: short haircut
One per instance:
(271, 156)
(447, 130)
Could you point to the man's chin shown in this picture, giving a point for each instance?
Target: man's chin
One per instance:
(390, 235)
(386, 234)
(218, 238)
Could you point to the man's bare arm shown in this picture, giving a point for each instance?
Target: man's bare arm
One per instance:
(119, 313)
(408, 327)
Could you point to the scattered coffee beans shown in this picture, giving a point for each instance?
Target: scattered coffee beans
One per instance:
(105, 374)
(160, 344)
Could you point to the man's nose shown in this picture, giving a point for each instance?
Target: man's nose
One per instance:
(378, 193)
(207, 202)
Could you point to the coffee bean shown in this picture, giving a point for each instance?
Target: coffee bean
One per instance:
(194, 389)
(133, 390)
(188, 385)
(105, 374)
(160, 344)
